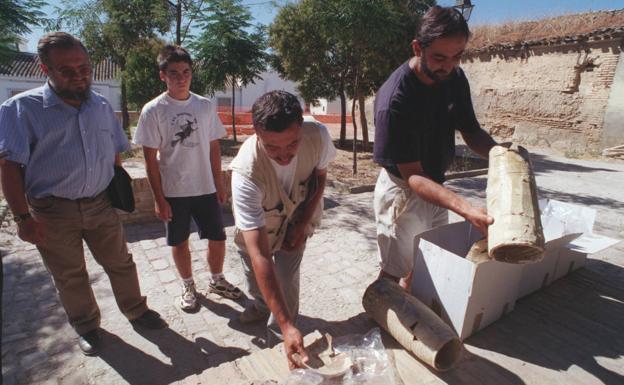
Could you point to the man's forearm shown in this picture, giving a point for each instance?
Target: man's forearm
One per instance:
(153, 173)
(313, 202)
(439, 195)
(13, 187)
(480, 142)
(215, 163)
(257, 244)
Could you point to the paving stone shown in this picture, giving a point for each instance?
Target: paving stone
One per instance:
(13, 337)
(75, 377)
(167, 276)
(32, 359)
(148, 244)
(160, 264)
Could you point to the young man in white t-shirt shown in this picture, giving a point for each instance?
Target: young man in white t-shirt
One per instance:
(180, 133)
(278, 180)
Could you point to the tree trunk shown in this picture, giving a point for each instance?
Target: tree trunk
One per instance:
(233, 108)
(354, 137)
(343, 117)
(179, 22)
(125, 116)
(363, 121)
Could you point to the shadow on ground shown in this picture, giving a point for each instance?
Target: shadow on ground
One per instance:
(186, 357)
(577, 321)
(543, 164)
(29, 317)
(476, 186)
(469, 367)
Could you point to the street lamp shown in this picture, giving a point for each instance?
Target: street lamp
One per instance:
(464, 7)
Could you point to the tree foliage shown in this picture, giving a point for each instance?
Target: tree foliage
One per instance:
(16, 19)
(114, 28)
(230, 52)
(142, 75)
(338, 47)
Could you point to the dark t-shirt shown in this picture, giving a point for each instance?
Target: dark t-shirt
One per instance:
(415, 122)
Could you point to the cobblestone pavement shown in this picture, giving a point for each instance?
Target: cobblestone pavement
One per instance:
(39, 347)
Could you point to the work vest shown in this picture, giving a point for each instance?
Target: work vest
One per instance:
(280, 210)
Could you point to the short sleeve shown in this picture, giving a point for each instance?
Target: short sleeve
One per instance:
(246, 203)
(329, 151)
(467, 120)
(216, 126)
(120, 140)
(397, 138)
(14, 135)
(147, 133)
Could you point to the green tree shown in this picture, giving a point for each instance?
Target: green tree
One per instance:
(230, 52)
(114, 28)
(16, 19)
(345, 46)
(306, 52)
(142, 75)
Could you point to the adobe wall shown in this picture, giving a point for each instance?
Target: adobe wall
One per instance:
(546, 96)
(613, 127)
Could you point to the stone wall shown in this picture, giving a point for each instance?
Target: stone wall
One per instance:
(144, 199)
(546, 95)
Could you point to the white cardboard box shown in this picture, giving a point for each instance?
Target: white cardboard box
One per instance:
(468, 295)
(574, 254)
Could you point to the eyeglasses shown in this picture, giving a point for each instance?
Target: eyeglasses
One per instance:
(69, 73)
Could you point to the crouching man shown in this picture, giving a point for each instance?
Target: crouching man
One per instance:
(278, 180)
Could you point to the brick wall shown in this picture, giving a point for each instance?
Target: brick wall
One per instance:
(546, 96)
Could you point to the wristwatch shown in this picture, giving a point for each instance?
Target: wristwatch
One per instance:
(18, 218)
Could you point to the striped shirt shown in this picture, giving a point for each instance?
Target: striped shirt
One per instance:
(66, 152)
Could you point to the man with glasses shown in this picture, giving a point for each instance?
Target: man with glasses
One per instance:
(180, 131)
(417, 111)
(62, 141)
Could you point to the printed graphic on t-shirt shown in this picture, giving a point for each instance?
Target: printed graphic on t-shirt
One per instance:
(184, 124)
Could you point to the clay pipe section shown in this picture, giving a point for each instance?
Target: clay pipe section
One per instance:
(416, 327)
(516, 235)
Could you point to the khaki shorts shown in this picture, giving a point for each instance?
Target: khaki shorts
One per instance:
(400, 215)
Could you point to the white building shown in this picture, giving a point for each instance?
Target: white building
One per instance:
(23, 74)
(269, 81)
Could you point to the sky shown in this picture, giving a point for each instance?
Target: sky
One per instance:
(485, 11)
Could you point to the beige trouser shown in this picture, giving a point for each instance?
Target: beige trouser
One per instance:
(66, 224)
(400, 215)
(286, 265)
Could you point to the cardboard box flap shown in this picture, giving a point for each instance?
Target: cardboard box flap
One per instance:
(457, 237)
(591, 243)
(558, 243)
(443, 280)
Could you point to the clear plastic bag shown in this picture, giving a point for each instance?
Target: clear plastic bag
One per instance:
(303, 377)
(371, 363)
(560, 218)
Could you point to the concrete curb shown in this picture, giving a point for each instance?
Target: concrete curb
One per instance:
(344, 188)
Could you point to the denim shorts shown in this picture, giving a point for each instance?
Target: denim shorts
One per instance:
(204, 210)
